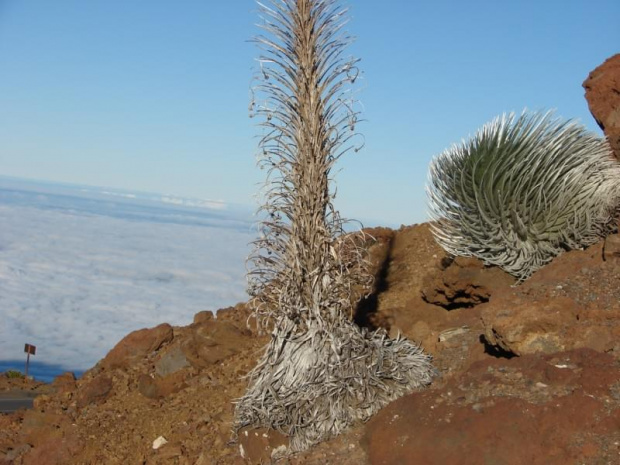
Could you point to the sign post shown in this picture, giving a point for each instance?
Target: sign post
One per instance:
(29, 349)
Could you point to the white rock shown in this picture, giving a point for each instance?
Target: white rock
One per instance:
(160, 441)
(278, 451)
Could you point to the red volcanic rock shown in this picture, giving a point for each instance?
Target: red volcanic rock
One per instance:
(535, 410)
(520, 327)
(39, 427)
(156, 387)
(171, 361)
(64, 383)
(212, 341)
(240, 315)
(57, 451)
(603, 95)
(574, 302)
(204, 315)
(611, 248)
(137, 345)
(95, 391)
(465, 282)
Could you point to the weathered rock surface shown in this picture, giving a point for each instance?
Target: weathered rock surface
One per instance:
(54, 451)
(64, 383)
(548, 410)
(137, 345)
(574, 302)
(464, 283)
(603, 95)
(212, 341)
(95, 391)
(157, 387)
(171, 361)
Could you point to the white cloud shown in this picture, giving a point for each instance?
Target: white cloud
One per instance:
(77, 274)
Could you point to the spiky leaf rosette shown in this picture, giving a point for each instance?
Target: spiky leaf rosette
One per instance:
(320, 372)
(312, 385)
(523, 190)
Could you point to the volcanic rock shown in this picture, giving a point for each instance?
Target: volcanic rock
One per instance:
(171, 361)
(156, 387)
(55, 451)
(64, 383)
(240, 315)
(136, 345)
(611, 247)
(532, 410)
(94, 391)
(603, 95)
(211, 341)
(464, 283)
(574, 302)
(204, 315)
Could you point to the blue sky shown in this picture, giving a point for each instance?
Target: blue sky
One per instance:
(154, 95)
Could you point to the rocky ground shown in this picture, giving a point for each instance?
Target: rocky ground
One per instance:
(529, 374)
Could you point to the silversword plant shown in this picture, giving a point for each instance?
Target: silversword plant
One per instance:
(523, 190)
(320, 372)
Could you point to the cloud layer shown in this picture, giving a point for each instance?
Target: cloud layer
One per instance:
(78, 272)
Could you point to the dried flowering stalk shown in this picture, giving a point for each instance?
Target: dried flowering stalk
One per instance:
(320, 372)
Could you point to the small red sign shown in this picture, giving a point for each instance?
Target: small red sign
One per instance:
(30, 349)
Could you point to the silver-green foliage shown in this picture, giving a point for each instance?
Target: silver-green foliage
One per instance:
(319, 372)
(523, 190)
